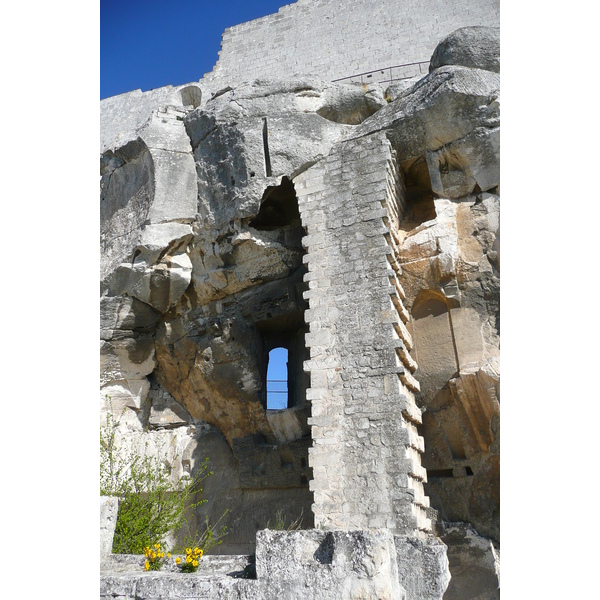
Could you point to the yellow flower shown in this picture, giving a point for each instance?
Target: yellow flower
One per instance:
(188, 559)
(168, 555)
(146, 565)
(188, 550)
(177, 560)
(194, 563)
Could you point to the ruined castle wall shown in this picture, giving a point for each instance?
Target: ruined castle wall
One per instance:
(122, 115)
(366, 451)
(338, 38)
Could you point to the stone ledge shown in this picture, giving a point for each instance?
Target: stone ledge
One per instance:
(310, 564)
(133, 565)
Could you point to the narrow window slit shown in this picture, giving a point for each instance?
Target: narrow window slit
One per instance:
(439, 473)
(265, 133)
(277, 379)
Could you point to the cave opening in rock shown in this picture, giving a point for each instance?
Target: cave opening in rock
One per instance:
(419, 195)
(278, 207)
(440, 473)
(277, 379)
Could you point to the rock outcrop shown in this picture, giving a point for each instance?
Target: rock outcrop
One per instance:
(474, 562)
(473, 47)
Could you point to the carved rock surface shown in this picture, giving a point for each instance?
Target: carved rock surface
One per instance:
(336, 564)
(422, 567)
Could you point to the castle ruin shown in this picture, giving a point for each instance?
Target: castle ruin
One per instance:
(331, 188)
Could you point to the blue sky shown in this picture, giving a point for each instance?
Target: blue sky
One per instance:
(277, 375)
(145, 44)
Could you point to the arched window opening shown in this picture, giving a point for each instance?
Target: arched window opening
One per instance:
(277, 379)
(281, 360)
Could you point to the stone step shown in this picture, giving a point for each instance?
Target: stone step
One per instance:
(406, 358)
(403, 334)
(396, 283)
(410, 382)
(398, 304)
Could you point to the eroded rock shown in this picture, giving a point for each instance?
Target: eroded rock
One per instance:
(475, 564)
(451, 279)
(319, 564)
(109, 507)
(474, 47)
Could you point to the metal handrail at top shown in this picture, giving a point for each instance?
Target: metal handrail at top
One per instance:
(383, 70)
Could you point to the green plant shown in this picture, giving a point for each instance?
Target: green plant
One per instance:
(150, 504)
(280, 522)
(211, 536)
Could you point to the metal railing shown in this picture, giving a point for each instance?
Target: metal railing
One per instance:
(271, 391)
(415, 68)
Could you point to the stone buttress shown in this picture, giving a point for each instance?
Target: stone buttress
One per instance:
(366, 454)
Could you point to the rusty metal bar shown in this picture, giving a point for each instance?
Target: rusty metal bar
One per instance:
(420, 63)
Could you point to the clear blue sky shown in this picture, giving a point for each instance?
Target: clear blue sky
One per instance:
(277, 375)
(146, 44)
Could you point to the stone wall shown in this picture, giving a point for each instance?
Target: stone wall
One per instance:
(313, 565)
(339, 38)
(126, 112)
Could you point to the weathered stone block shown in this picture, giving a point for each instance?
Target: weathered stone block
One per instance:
(475, 47)
(474, 563)
(320, 564)
(422, 567)
(109, 508)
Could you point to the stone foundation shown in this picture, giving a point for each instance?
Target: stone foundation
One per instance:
(312, 564)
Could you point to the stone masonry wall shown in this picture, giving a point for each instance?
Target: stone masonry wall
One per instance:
(339, 38)
(366, 451)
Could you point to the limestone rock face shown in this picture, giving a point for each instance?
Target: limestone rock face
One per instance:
(475, 564)
(204, 271)
(450, 119)
(451, 271)
(474, 47)
(124, 114)
(422, 567)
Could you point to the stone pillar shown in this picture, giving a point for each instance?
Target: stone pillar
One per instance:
(366, 450)
(109, 508)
